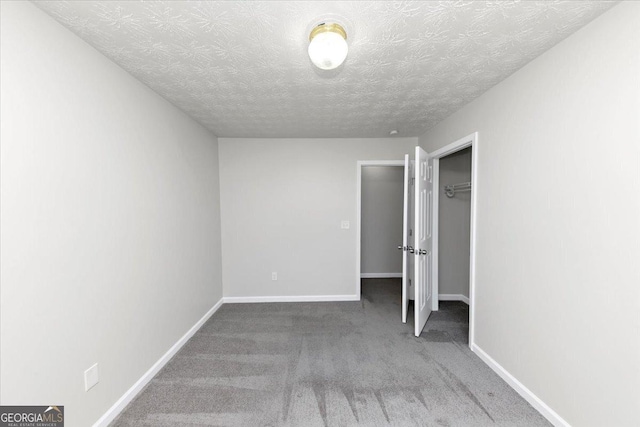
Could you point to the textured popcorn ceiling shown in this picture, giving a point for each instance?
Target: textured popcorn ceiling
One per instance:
(241, 68)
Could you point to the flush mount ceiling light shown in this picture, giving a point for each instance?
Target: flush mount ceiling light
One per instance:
(328, 46)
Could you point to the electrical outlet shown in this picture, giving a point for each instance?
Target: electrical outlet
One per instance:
(274, 275)
(91, 377)
(344, 224)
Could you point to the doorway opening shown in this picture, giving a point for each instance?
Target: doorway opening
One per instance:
(454, 214)
(454, 218)
(379, 215)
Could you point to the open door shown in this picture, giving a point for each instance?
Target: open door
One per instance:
(405, 240)
(423, 239)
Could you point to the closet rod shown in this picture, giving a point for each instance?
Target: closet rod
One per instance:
(452, 189)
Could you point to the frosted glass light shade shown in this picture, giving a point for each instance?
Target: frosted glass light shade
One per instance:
(328, 47)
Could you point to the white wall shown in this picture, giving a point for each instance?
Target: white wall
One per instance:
(454, 217)
(282, 204)
(110, 246)
(382, 199)
(558, 277)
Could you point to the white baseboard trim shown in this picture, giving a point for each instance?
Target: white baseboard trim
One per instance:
(523, 391)
(130, 394)
(453, 297)
(310, 298)
(380, 275)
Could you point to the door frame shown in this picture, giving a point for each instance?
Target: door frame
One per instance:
(460, 144)
(359, 165)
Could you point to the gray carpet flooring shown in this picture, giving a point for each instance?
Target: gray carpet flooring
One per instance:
(329, 364)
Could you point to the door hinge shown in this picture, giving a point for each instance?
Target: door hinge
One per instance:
(410, 232)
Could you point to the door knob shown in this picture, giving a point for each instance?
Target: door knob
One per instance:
(400, 247)
(421, 252)
(411, 249)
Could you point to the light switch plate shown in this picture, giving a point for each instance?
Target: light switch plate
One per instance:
(91, 377)
(344, 225)
(274, 275)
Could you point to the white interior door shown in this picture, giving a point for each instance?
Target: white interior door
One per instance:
(410, 221)
(423, 239)
(405, 241)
